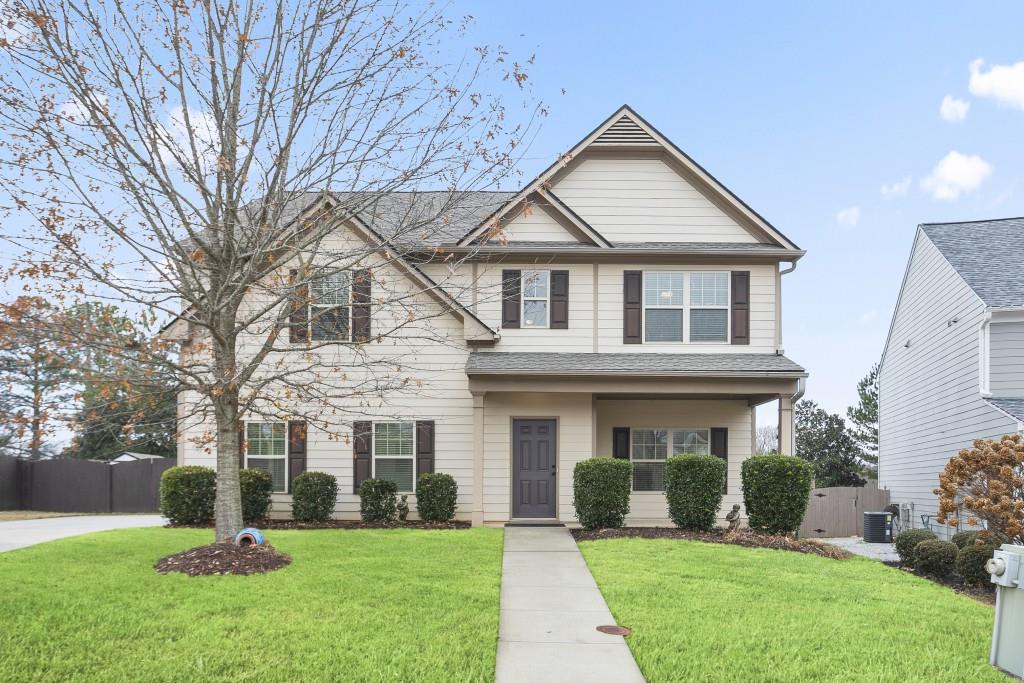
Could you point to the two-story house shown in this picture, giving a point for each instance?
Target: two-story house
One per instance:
(952, 368)
(637, 316)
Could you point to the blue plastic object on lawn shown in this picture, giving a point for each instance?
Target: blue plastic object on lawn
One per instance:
(250, 536)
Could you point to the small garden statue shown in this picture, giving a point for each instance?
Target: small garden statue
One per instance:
(734, 518)
(403, 508)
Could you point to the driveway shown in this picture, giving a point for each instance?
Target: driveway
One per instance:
(28, 532)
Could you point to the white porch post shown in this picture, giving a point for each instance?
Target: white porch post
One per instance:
(787, 440)
(478, 458)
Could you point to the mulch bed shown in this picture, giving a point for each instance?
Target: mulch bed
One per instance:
(748, 539)
(224, 558)
(336, 524)
(985, 594)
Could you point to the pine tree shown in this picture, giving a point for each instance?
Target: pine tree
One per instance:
(864, 416)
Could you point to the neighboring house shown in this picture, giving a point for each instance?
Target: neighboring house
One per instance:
(637, 315)
(953, 366)
(128, 456)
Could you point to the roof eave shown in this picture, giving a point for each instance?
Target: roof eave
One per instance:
(637, 373)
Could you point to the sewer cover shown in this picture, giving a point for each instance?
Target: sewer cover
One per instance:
(615, 630)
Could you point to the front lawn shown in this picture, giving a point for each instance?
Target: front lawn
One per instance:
(396, 605)
(725, 613)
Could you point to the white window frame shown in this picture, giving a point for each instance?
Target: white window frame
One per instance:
(411, 456)
(686, 307)
(269, 457)
(670, 431)
(313, 305)
(523, 299)
(704, 307)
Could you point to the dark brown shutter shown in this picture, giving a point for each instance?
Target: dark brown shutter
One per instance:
(362, 442)
(361, 291)
(424, 447)
(720, 447)
(296, 450)
(241, 444)
(511, 285)
(632, 310)
(560, 299)
(298, 318)
(620, 443)
(740, 307)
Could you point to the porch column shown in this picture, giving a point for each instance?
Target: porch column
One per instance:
(787, 442)
(478, 458)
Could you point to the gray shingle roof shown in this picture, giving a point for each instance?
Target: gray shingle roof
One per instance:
(1011, 406)
(988, 256)
(703, 247)
(649, 364)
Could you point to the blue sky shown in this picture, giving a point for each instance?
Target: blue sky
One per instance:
(805, 110)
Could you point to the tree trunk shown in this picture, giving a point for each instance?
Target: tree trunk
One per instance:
(227, 510)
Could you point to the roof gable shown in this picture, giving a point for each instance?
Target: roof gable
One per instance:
(987, 255)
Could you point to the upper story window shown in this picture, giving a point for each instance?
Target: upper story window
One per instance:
(393, 454)
(330, 307)
(536, 287)
(709, 307)
(681, 306)
(267, 450)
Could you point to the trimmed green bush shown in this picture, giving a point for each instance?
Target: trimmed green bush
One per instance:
(313, 496)
(979, 537)
(600, 492)
(906, 541)
(257, 486)
(776, 489)
(436, 497)
(970, 563)
(962, 539)
(187, 494)
(935, 557)
(378, 500)
(693, 487)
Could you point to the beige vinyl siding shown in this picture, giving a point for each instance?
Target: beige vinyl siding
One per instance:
(929, 401)
(644, 200)
(536, 224)
(651, 508)
(1006, 359)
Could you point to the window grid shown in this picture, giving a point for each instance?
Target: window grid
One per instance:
(709, 307)
(266, 448)
(686, 307)
(330, 312)
(536, 298)
(394, 449)
(649, 448)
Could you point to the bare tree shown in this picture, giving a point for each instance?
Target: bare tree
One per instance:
(767, 439)
(196, 161)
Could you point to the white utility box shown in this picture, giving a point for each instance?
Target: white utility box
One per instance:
(1007, 570)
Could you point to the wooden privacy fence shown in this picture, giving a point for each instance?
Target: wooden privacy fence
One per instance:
(839, 510)
(70, 485)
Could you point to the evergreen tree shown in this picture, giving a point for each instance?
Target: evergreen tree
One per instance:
(864, 416)
(823, 440)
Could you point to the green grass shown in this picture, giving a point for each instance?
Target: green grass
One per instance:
(366, 605)
(702, 612)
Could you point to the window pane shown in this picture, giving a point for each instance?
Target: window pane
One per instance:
(690, 441)
(393, 439)
(535, 314)
(648, 476)
(535, 284)
(709, 289)
(663, 289)
(276, 468)
(398, 470)
(266, 438)
(708, 325)
(663, 325)
(331, 290)
(329, 323)
(650, 444)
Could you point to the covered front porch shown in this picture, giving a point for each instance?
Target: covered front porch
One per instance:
(531, 427)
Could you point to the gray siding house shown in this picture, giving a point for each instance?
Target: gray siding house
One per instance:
(953, 365)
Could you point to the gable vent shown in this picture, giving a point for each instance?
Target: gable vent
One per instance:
(625, 131)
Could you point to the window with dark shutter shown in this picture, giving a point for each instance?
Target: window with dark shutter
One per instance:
(720, 447)
(241, 444)
(740, 307)
(361, 292)
(620, 443)
(632, 306)
(559, 299)
(511, 287)
(362, 458)
(296, 450)
(329, 307)
(424, 447)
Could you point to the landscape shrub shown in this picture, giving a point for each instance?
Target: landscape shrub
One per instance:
(978, 537)
(776, 489)
(906, 541)
(313, 496)
(257, 485)
(600, 492)
(436, 497)
(693, 487)
(970, 563)
(378, 500)
(187, 494)
(935, 557)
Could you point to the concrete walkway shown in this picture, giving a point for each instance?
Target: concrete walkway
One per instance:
(28, 532)
(550, 608)
(884, 552)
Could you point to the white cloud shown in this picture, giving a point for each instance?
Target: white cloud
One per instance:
(1004, 84)
(897, 189)
(953, 109)
(849, 216)
(78, 111)
(956, 174)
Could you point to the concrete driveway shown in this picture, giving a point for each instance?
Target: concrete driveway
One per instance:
(28, 532)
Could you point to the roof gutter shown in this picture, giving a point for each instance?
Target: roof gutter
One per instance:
(645, 373)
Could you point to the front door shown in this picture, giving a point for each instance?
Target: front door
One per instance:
(533, 468)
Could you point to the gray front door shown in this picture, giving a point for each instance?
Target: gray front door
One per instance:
(533, 468)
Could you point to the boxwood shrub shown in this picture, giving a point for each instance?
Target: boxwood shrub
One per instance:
(693, 487)
(257, 486)
(970, 563)
(966, 538)
(313, 496)
(378, 500)
(600, 492)
(187, 494)
(776, 489)
(436, 497)
(906, 542)
(935, 557)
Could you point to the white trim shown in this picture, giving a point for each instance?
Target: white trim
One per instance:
(311, 305)
(523, 299)
(670, 431)
(270, 457)
(984, 356)
(411, 456)
(685, 307)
